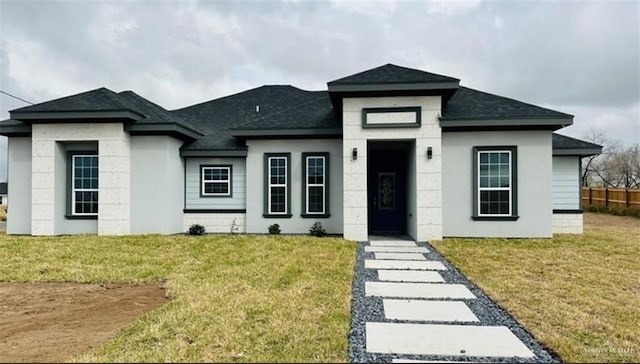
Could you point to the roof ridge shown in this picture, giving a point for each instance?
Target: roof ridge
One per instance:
(516, 100)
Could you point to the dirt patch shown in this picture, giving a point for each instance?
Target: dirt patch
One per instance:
(51, 322)
(611, 221)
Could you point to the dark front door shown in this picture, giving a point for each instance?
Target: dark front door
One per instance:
(387, 192)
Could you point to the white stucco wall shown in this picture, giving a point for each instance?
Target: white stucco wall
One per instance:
(534, 167)
(567, 223)
(19, 185)
(216, 222)
(114, 174)
(255, 222)
(428, 178)
(157, 185)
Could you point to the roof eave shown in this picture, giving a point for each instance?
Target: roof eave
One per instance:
(262, 133)
(234, 152)
(405, 86)
(581, 152)
(553, 123)
(162, 129)
(49, 116)
(15, 130)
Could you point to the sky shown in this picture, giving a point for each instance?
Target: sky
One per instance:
(577, 57)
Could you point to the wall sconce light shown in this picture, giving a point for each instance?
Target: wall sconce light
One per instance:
(354, 154)
(429, 153)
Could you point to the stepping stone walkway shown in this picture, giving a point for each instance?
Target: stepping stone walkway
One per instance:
(410, 305)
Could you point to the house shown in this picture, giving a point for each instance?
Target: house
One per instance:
(390, 150)
(4, 196)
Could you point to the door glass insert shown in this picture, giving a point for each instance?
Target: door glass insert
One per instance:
(386, 190)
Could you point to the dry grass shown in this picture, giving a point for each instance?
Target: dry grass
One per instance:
(3, 213)
(235, 298)
(579, 295)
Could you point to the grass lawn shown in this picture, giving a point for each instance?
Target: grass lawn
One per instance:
(235, 297)
(579, 295)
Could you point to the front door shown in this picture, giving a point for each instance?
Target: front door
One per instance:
(387, 192)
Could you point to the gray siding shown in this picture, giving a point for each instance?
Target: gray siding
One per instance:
(157, 185)
(256, 223)
(534, 184)
(19, 178)
(566, 183)
(193, 200)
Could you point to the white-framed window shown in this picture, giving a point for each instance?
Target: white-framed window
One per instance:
(278, 184)
(215, 181)
(315, 175)
(84, 185)
(495, 182)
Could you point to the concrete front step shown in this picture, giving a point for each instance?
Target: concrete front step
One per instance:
(409, 276)
(417, 290)
(449, 340)
(403, 264)
(418, 310)
(400, 256)
(396, 249)
(391, 243)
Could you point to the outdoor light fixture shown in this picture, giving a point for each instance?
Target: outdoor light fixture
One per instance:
(429, 153)
(354, 154)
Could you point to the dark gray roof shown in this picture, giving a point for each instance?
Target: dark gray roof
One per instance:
(468, 103)
(390, 73)
(101, 99)
(276, 107)
(4, 187)
(564, 145)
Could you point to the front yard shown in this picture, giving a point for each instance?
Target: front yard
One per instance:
(234, 298)
(578, 295)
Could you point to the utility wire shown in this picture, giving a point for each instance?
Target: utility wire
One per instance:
(16, 97)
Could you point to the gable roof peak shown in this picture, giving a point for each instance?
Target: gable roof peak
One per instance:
(392, 74)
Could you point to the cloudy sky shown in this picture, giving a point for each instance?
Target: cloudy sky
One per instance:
(581, 58)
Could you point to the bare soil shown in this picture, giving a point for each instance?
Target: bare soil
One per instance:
(52, 322)
(611, 221)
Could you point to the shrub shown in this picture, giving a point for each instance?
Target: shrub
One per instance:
(317, 229)
(196, 229)
(274, 229)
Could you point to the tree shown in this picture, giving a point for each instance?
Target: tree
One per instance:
(617, 166)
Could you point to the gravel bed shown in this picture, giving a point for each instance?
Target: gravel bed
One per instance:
(369, 309)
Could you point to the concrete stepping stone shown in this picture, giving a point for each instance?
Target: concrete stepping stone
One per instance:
(396, 249)
(418, 310)
(410, 276)
(400, 256)
(417, 290)
(391, 243)
(403, 264)
(422, 361)
(449, 340)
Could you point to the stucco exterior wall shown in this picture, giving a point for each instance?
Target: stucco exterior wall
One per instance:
(157, 185)
(19, 185)
(114, 174)
(534, 168)
(255, 222)
(237, 201)
(215, 222)
(567, 223)
(566, 183)
(428, 177)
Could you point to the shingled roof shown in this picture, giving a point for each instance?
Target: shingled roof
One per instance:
(564, 145)
(100, 99)
(390, 73)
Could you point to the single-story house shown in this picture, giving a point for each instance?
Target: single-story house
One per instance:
(390, 150)
(4, 196)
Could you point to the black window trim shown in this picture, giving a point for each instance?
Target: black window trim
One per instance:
(266, 183)
(216, 195)
(317, 215)
(514, 180)
(70, 214)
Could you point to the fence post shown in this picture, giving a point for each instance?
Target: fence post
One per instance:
(606, 197)
(590, 197)
(626, 197)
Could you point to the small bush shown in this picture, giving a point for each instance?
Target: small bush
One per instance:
(317, 229)
(196, 229)
(274, 229)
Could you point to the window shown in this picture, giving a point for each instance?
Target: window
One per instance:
(277, 176)
(495, 183)
(215, 181)
(84, 185)
(315, 173)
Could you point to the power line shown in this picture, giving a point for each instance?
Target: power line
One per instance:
(16, 97)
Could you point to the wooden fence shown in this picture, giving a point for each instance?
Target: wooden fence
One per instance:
(613, 197)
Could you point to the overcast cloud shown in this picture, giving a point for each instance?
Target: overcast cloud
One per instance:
(581, 58)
